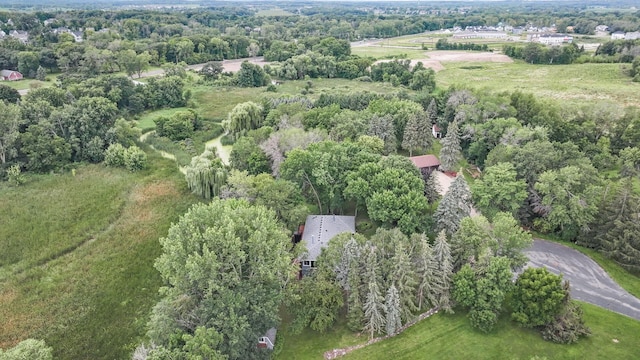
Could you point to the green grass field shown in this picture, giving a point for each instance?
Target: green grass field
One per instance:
(451, 337)
(78, 266)
(577, 82)
(146, 121)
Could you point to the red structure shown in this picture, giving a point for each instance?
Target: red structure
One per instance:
(10, 75)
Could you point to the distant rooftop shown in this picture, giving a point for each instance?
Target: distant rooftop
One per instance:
(319, 229)
(425, 161)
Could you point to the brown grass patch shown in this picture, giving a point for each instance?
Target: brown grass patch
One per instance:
(142, 195)
(450, 55)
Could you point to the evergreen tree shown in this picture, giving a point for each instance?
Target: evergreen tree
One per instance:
(416, 134)
(425, 268)
(454, 206)
(392, 309)
(350, 254)
(355, 314)
(374, 320)
(622, 240)
(403, 274)
(41, 74)
(442, 272)
(451, 151)
(431, 189)
(432, 112)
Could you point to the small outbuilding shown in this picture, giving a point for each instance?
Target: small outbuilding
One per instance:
(426, 163)
(10, 75)
(436, 131)
(268, 340)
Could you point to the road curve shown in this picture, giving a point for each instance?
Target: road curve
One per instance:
(589, 282)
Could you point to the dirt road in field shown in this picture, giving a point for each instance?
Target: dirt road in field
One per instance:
(434, 59)
(589, 282)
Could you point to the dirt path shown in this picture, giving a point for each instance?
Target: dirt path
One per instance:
(589, 282)
(222, 151)
(164, 154)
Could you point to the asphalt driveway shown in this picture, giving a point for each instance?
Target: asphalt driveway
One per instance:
(589, 282)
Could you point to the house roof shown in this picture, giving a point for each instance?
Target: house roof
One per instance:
(319, 229)
(425, 161)
(7, 72)
(436, 128)
(271, 334)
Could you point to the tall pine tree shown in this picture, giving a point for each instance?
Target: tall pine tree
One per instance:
(454, 206)
(432, 112)
(416, 134)
(404, 275)
(425, 269)
(392, 310)
(374, 320)
(621, 241)
(442, 272)
(451, 151)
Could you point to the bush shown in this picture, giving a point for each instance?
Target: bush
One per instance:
(132, 158)
(567, 327)
(114, 155)
(135, 159)
(227, 140)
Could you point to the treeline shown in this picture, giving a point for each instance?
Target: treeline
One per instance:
(50, 128)
(619, 51)
(443, 44)
(535, 53)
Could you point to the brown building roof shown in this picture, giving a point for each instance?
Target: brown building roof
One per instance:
(425, 161)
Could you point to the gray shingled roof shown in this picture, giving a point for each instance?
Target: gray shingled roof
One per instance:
(319, 229)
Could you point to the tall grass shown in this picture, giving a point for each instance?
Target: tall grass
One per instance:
(92, 301)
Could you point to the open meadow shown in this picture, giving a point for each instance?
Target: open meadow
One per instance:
(77, 263)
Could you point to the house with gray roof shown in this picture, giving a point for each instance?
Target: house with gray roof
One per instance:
(318, 231)
(268, 340)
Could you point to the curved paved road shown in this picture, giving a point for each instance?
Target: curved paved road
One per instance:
(589, 282)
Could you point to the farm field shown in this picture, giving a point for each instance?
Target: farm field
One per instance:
(77, 263)
(582, 83)
(577, 82)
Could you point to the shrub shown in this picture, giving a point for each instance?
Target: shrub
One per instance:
(114, 155)
(135, 159)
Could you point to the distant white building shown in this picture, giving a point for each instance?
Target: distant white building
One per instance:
(602, 28)
(632, 35)
(618, 35)
(480, 35)
(23, 36)
(550, 39)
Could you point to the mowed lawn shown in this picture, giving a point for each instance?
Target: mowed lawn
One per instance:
(78, 252)
(451, 337)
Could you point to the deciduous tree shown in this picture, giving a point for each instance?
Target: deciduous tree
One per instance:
(224, 265)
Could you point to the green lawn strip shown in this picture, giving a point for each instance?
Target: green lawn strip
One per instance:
(94, 302)
(625, 279)
(452, 337)
(146, 120)
(310, 344)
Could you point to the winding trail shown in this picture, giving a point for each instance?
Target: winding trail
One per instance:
(164, 154)
(222, 151)
(589, 282)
